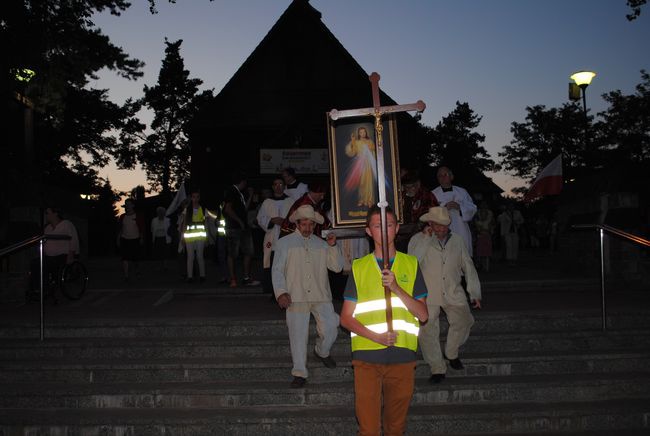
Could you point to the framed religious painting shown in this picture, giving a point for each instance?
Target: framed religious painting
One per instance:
(353, 164)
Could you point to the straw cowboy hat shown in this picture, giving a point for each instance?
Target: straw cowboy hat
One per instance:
(306, 212)
(438, 215)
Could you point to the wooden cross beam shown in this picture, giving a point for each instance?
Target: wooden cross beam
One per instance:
(377, 111)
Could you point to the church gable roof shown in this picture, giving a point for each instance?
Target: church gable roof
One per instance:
(297, 64)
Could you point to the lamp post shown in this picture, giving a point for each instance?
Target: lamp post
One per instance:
(582, 79)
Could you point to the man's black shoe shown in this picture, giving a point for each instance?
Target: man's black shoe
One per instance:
(436, 378)
(455, 363)
(327, 361)
(298, 382)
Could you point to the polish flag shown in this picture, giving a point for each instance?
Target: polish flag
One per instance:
(548, 182)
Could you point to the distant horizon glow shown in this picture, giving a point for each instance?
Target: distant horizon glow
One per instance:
(499, 57)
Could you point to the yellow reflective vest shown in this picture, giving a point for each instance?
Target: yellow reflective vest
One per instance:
(196, 230)
(370, 309)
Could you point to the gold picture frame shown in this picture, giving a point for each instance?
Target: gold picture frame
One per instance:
(352, 154)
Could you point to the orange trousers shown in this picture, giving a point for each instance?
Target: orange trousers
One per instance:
(388, 387)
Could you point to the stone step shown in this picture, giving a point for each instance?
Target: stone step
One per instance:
(228, 369)
(238, 394)
(540, 285)
(497, 322)
(501, 418)
(277, 346)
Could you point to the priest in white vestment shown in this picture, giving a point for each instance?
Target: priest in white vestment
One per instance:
(459, 204)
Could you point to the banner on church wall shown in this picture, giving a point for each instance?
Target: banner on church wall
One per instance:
(303, 160)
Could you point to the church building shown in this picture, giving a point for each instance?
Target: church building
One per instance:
(278, 100)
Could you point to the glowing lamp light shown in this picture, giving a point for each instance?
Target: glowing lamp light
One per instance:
(583, 78)
(23, 74)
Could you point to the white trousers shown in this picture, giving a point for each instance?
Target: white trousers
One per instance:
(327, 322)
(192, 248)
(460, 322)
(512, 246)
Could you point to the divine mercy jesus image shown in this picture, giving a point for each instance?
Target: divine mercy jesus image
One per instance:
(361, 175)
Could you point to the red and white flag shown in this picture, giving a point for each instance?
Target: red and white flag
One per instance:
(548, 182)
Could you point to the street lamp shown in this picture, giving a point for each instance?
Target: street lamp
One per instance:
(582, 79)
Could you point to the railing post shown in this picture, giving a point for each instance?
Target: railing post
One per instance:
(40, 249)
(602, 278)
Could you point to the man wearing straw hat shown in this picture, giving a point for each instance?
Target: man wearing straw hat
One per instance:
(444, 259)
(301, 286)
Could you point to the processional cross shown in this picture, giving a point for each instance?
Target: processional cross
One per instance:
(377, 111)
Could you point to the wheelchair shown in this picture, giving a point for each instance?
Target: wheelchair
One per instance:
(71, 280)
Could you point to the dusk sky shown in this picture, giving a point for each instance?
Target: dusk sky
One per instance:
(499, 56)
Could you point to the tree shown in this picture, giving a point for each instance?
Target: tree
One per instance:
(547, 133)
(635, 5)
(59, 42)
(175, 100)
(453, 142)
(103, 216)
(625, 125)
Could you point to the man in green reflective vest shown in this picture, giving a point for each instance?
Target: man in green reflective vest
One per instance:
(384, 361)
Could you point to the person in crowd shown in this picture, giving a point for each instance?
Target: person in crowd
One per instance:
(194, 228)
(160, 237)
(292, 186)
(539, 232)
(56, 252)
(314, 198)
(443, 256)
(301, 286)
(416, 201)
(510, 221)
(221, 248)
(553, 233)
(270, 217)
(130, 238)
(383, 359)
(257, 233)
(415, 198)
(239, 236)
(459, 204)
(180, 246)
(484, 224)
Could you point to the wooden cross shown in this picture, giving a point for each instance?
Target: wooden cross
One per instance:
(377, 111)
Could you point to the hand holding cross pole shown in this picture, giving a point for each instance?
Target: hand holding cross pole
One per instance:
(377, 111)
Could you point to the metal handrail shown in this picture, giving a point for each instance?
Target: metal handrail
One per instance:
(40, 239)
(18, 245)
(602, 228)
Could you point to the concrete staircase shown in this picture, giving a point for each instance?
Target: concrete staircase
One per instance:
(526, 374)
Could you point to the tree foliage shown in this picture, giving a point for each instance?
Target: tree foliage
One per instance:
(455, 143)
(175, 99)
(621, 134)
(58, 40)
(635, 5)
(625, 126)
(547, 133)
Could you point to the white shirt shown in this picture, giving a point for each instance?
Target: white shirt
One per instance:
(300, 268)
(442, 265)
(296, 192)
(57, 247)
(159, 228)
(272, 208)
(459, 219)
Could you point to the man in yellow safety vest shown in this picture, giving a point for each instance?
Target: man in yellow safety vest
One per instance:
(383, 360)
